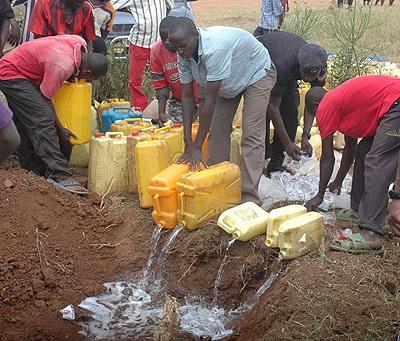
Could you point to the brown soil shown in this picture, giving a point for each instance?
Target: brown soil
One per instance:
(58, 248)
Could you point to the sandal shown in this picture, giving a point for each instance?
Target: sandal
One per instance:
(348, 215)
(356, 244)
(64, 184)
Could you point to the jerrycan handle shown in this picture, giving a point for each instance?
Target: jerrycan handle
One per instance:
(162, 129)
(180, 196)
(223, 224)
(138, 120)
(114, 134)
(121, 109)
(157, 204)
(145, 130)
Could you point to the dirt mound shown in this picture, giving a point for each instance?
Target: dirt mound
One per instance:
(59, 248)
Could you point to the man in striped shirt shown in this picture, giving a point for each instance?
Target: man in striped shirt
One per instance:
(270, 12)
(55, 17)
(148, 15)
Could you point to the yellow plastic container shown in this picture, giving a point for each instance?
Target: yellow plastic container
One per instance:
(151, 157)
(72, 103)
(80, 153)
(277, 217)
(236, 149)
(174, 141)
(299, 235)
(195, 129)
(302, 92)
(131, 142)
(245, 221)
(108, 164)
(178, 128)
(162, 187)
(206, 194)
(111, 103)
(127, 128)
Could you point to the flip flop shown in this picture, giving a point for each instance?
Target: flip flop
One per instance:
(63, 184)
(356, 244)
(348, 215)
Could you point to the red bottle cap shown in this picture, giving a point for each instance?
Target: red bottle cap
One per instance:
(177, 125)
(135, 133)
(99, 134)
(138, 109)
(238, 127)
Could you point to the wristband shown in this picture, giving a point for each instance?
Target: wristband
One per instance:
(308, 135)
(393, 194)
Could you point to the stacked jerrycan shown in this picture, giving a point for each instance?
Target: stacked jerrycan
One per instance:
(290, 228)
(108, 117)
(129, 125)
(111, 103)
(151, 158)
(108, 163)
(73, 109)
(236, 150)
(174, 139)
(205, 195)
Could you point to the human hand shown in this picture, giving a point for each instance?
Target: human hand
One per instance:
(394, 217)
(14, 33)
(64, 136)
(313, 203)
(306, 147)
(194, 156)
(162, 119)
(334, 186)
(293, 151)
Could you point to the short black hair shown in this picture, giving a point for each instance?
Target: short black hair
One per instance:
(183, 25)
(315, 94)
(97, 64)
(166, 23)
(99, 45)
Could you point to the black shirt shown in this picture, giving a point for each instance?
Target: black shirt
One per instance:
(283, 48)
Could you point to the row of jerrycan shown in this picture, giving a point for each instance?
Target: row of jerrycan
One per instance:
(290, 228)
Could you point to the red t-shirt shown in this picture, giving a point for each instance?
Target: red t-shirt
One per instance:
(61, 60)
(164, 70)
(47, 20)
(356, 107)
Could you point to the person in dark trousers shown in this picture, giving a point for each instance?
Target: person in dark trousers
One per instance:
(394, 210)
(271, 10)
(365, 107)
(6, 14)
(30, 76)
(294, 60)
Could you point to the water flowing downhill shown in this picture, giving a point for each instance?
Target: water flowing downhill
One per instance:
(154, 243)
(219, 274)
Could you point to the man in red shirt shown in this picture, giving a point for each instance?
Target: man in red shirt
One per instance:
(30, 75)
(165, 76)
(54, 17)
(365, 107)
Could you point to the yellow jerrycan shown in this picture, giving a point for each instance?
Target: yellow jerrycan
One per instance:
(162, 188)
(108, 164)
(174, 142)
(299, 235)
(236, 149)
(277, 217)
(131, 142)
(127, 128)
(111, 103)
(195, 129)
(302, 92)
(245, 221)
(206, 194)
(72, 103)
(151, 157)
(178, 128)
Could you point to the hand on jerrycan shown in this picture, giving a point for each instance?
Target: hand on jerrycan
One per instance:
(64, 135)
(194, 156)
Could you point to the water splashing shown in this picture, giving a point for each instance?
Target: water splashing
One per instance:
(154, 243)
(219, 274)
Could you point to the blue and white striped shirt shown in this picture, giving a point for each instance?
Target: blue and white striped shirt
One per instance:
(270, 12)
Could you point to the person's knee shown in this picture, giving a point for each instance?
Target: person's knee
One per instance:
(9, 138)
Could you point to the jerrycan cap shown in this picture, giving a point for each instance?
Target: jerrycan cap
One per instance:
(177, 125)
(135, 133)
(137, 109)
(238, 126)
(99, 134)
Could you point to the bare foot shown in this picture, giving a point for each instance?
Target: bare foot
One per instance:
(373, 239)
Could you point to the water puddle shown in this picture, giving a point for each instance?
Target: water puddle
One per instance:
(133, 309)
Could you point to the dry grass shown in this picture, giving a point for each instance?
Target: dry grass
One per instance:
(247, 17)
